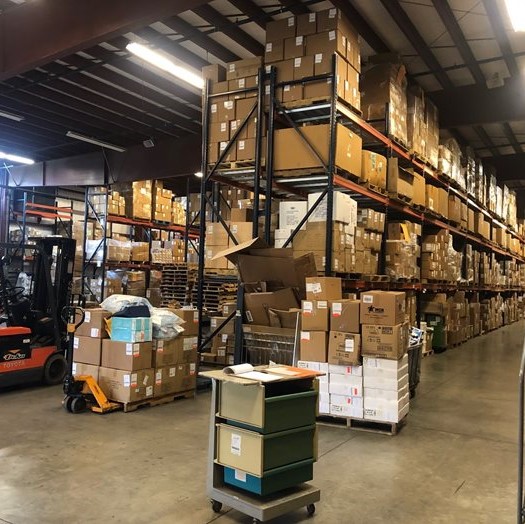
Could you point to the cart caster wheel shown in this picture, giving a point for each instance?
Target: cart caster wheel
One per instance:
(216, 506)
(67, 403)
(256, 521)
(310, 509)
(78, 405)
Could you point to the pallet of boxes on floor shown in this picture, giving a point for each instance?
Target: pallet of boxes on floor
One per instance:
(362, 346)
(135, 362)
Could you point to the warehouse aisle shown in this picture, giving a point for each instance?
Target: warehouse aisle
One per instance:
(455, 461)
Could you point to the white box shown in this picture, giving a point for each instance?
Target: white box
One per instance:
(324, 409)
(386, 394)
(347, 390)
(390, 384)
(380, 403)
(383, 363)
(342, 400)
(323, 379)
(346, 411)
(324, 398)
(384, 414)
(386, 373)
(281, 236)
(344, 209)
(351, 380)
(323, 387)
(345, 370)
(306, 364)
(291, 212)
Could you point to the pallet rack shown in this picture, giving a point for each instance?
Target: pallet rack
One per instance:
(261, 178)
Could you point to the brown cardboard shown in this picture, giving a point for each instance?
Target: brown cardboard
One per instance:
(292, 92)
(241, 215)
(125, 386)
(306, 24)
(219, 132)
(303, 67)
(280, 29)
(373, 169)
(93, 325)
(258, 304)
(390, 342)
(333, 41)
(185, 377)
(87, 350)
(344, 349)
(180, 350)
(419, 194)
(313, 346)
(274, 51)
(128, 356)
(246, 149)
(191, 320)
(216, 234)
(164, 380)
(242, 231)
(80, 368)
(284, 70)
(227, 329)
(284, 318)
(386, 308)
(323, 288)
(399, 181)
(294, 47)
(314, 237)
(344, 315)
(215, 73)
(314, 315)
(243, 68)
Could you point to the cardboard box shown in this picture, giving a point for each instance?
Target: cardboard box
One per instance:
(243, 68)
(344, 348)
(347, 385)
(294, 47)
(291, 213)
(385, 411)
(419, 194)
(306, 24)
(242, 231)
(344, 208)
(323, 288)
(214, 72)
(123, 386)
(128, 356)
(94, 325)
(219, 132)
(280, 29)
(335, 369)
(333, 41)
(246, 149)
(314, 315)
(385, 308)
(228, 328)
(87, 350)
(216, 235)
(124, 329)
(313, 346)
(175, 379)
(258, 304)
(191, 320)
(344, 316)
(390, 342)
(274, 51)
(373, 169)
(241, 215)
(400, 181)
(303, 67)
(79, 368)
(180, 350)
(291, 151)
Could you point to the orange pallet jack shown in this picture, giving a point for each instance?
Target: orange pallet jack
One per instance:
(82, 391)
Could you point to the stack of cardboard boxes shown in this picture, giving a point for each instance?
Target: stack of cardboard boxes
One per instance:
(107, 202)
(373, 169)
(223, 343)
(138, 199)
(439, 260)
(135, 283)
(178, 212)
(402, 250)
(368, 242)
(162, 207)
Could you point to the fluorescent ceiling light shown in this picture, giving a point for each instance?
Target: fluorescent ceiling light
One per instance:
(84, 138)
(516, 10)
(164, 63)
(16, 118)
(16, 158)
(198, 174)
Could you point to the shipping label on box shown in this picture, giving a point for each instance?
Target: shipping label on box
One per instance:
(314, 315)
(344, 316)
(313, 346)
(390, 342)
(383, 307)
(344, 348)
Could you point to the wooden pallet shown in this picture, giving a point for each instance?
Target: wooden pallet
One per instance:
(238, 164)
(375, 278)
(400, 198)
(372, 187)
(428, 353)
(399, 142)
(358, 424)
(401, 280)
(157, 401)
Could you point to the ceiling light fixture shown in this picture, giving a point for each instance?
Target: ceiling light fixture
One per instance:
(164, 63)
(84, 138)
(516, 10)
(10, 116)
(198, 174)
(16, 158)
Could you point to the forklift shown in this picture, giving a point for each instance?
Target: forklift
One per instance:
(34, 340)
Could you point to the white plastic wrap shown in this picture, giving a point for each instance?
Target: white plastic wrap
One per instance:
(115, 303)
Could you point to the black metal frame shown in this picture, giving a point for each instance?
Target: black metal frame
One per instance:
(521, 432)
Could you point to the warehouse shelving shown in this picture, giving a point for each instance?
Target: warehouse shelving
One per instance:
(262, 178)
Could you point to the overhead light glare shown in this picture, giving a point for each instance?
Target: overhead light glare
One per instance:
(10, 116)
(198, 174)
(516, 10)
(95, 141)
(165, 64)
(16, 158)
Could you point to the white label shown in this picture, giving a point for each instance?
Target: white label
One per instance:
(332, 13)
(349, 345)
(213, 108)
(299, 40)
(297, 62)
(158, 378)
(149, 391)
(291, 21)
(95, 332)
(228, 104)
(308, 308)
(235, 444)
(269, 47)
(192, 369)
(239, 475)
(367, 299)
(387, 258)
(74, 368)
(318, 58)
(322, 304)
(196, 317)
(76, 342)
(224, 338)
(136, 350)
(242, 83)
(126, 380)
(223, 127)
(287, 88)
(311, 18)
(249, 316)
(331, 35)
(133, 380)
(146, 380)
(171, 372)
(231, 67)
(305, 335)
(266, 90)
(337, 309)
(241, 147)
(129, 349)
(221, 352)
(87, 316)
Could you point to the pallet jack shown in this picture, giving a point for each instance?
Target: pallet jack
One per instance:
(81, 391)
(33, 343)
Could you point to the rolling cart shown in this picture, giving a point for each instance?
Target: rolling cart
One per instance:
(259, 508)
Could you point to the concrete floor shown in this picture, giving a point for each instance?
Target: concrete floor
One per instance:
(455, 461)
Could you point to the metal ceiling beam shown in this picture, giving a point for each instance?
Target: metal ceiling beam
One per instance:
(38, 32)
(485, 138)
(496, 22)
(193, 34)
(475, 104)
(230, 29)
(256, 13)
(511, 137)
(404, 23)
(362, 26)
(451, 24)
(509, 167)
(295, 7)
